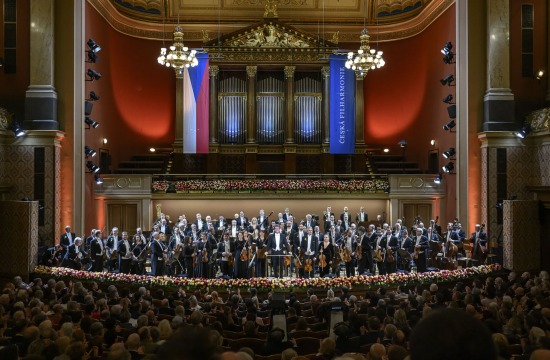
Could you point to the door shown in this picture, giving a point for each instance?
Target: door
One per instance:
(412, 212)
(122, 216)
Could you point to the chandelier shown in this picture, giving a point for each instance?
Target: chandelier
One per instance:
(178, 55)
(366, 58)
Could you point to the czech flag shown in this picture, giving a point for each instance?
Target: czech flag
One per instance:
(195, 107)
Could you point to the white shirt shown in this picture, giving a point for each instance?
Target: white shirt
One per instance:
(309, 244)
(227, 250)
(234, 231)
(128, 252)
(277, 242)
(70, 237)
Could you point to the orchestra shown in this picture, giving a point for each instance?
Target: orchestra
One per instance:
(264, 247)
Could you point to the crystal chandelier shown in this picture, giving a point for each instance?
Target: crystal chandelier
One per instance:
(366, 58)
(178, 55)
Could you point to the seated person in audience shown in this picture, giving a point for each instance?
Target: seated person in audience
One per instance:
(275, 342)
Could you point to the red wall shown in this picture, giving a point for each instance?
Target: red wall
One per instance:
(14, 86)
(137, 106)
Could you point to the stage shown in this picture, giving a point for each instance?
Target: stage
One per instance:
(360, 282)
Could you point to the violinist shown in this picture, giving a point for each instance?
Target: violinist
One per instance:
(124, 254)
(296, 242)
(241, 255)
(380, 250)
(260, 242)
(188, 252)
(407, 245)
(420, 245)
(226, 249)
(75, 255)
(348, 249)
(309, 247)
(392, 244)
(326, 254)
(212, 248)
(138, 253)
(157, 255)
(202, 254)
(478, 240)
(97, 250)
(176, 249)
(365, 263)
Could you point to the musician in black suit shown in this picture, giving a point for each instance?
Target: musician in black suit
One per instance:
(478, 240)
(112, 245)
(200, 223)
(365, 264)
(157, 255)
(346, 217)
(407, 245)
(165, 228)
(67, 238)
(310, 222)
(420, 245)
(327, 214)
(226, 251)
(380, 249)
(451, 234)
(277, 245)
(391, 244)
(75, 255)
(309, 247)
(435, 226)
(242, 221)
(362, 217)
(124, 254)
(263, 221)
(139, 252)
(53, 256)
(88, 242)
(286, 215)
(349, 244)
(97, 250)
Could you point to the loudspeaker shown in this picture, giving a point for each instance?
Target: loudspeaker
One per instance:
(452, 111)
(88, 107)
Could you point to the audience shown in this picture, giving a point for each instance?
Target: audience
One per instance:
(491, 318)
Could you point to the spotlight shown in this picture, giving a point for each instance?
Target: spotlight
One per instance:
(98, 179)
(524, 131)
(17, 129)
(448, 58)
(432, 142)
(448, 126)
(88, 107)
(402, 143)
(105, 140)
(449, 167)
(386, 150)
(89, 152)
(451, 110)
(152, 149)
(539, 74)
(438, 178)
(93, 45)
(94, 75)
(449, 153)
(448, 99)
(92, 57)
(447, 80)
(90, 122)
(447, 48)
(92, 167)
(93, 96)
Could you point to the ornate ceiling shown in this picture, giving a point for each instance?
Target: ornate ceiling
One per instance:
(337, 20)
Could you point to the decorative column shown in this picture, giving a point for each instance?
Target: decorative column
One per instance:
(251, 72)
(499, 100)
(289, 82)
(41, 96)
(213, 71)
(178, 141)
(325, 123)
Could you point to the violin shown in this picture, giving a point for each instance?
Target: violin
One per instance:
(204, 255)
(359, 251)
(322, 260)
(345, 254)
(309, 265)
(287, 260)
(244, 254)
(297, 262)
(379, 255)
(389, 256)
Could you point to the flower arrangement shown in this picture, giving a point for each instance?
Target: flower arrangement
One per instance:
(276, 185)
(272, 283)
(159, 186)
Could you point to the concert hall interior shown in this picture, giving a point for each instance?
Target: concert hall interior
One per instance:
(255, 125)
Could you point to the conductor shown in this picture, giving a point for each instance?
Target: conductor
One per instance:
(277, 246)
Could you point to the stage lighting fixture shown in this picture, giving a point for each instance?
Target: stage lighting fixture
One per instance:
(448, 99)
(94, 75)
(448, 126)
(438, 178)
(448, 59)
(524, 131)
(386, 150)
(402, 143)
(92, 57)
(449, 167)
(451, 110)
(92, 167)
(98, 179)
(17, 129)
(447, 48)
(88, 107)
(93, 96)
(93, 45)
(90, 122)
(449, 153)
(539, 74)
(447, 80)
(89, 152)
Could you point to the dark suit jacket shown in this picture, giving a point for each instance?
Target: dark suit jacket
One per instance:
(272, 244)
(314, 245)
(349, 218)
(111, 241)
(95, 248)
(242, 222)
(358, 217)
(64, 240)
(204, 227)
(72, 254)
(167, 230)
(263, 223)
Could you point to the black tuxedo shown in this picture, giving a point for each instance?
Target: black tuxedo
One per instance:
(111, 240)
(203, 226)
(422, 242)
(97, 254)
(277, 261)
(314, 246)
(262, 223)
(286, 216)
(358, 218)
(342, 218)
(167, 230)
(226, 270)
(65, 241)
(221, 223)
(157, 260)
(242, 222)
(365, 264)
(124, 257)
(312, 223)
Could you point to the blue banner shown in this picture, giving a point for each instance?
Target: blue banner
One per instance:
(342, 106)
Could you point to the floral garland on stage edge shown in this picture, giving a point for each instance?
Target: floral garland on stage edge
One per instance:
(391, 280)
(274, 185)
